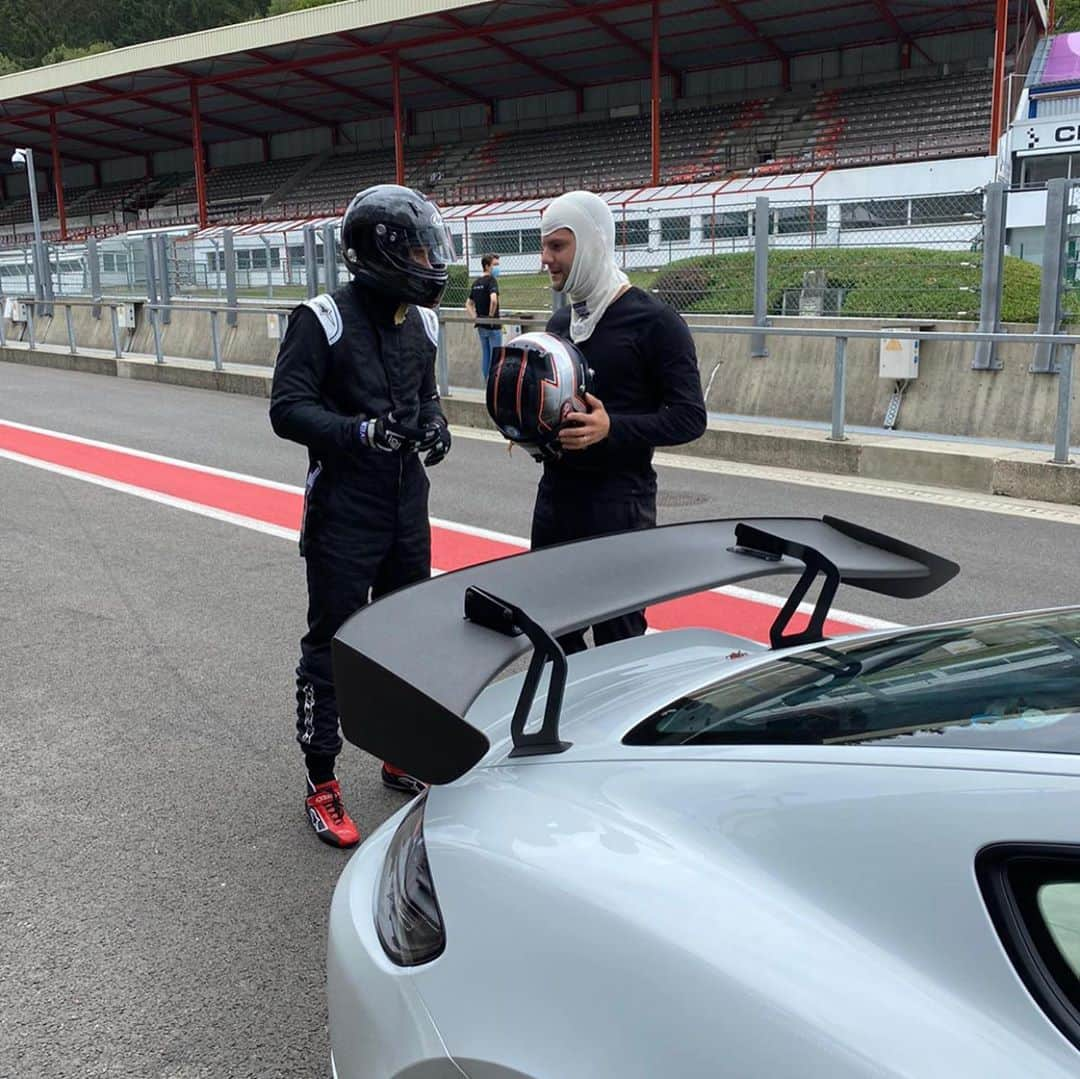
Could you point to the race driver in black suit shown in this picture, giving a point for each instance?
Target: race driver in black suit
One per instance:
(355, 384)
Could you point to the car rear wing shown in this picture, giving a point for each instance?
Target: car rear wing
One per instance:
(408, 667)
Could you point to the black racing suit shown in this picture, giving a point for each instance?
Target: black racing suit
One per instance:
(645, 372)
(365, 527)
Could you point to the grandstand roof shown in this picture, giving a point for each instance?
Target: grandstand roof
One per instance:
(1056, 65)
(331, 65)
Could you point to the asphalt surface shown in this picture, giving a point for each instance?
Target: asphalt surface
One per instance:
(162, 901)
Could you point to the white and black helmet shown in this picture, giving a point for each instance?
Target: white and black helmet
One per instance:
(535, 381)
(381, 232)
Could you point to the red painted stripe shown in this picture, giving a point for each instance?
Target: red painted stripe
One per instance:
(242, 497)
(451, 549)
(733, 614)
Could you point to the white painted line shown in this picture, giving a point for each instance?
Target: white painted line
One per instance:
(143, 455)
(155, 496)
(1055, 512)
(266, 528)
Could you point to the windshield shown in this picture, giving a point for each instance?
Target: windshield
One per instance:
(1012, 683)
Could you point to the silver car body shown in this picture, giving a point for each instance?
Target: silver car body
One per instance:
(803, 911)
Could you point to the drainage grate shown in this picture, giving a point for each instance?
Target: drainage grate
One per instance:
(679, 499)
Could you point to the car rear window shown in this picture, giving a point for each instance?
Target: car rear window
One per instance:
(1010, 683)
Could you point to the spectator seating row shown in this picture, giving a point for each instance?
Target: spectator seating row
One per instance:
(230, 188)
(919, 116)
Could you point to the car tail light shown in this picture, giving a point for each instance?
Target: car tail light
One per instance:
(407, 915)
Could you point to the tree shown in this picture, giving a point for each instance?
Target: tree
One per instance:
(60, 53)
(1067, 13)
(281, 7)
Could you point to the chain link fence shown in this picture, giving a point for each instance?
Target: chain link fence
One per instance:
(903, 257)
(910, 257)
(1070, 259)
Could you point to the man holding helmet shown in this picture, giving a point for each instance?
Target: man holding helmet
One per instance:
(355, 384)
(645, 392)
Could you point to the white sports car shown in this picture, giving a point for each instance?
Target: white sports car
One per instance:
(687, 855)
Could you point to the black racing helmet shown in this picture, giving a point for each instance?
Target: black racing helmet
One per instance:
(535, 381)
(382, 231)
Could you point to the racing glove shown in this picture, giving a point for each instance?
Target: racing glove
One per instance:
(436, 441)
(389, 435)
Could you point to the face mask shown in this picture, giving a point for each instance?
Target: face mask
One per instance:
(494, 271)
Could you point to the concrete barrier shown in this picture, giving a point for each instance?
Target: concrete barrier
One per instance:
(793, 383)
(986, 469)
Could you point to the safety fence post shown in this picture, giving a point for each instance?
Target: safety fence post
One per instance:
(758, 348)
(311, 262)
(93, 264)
(164, 285)
(1057, 200)
(114, 319)
(70, 329)
(230, 277)
(329, 248)
(442, 361)
(215, 341)
(993, 276)
(839, 396)
(1064, 406)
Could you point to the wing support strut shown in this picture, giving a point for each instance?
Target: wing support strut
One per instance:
(753, 541)
(487, 610)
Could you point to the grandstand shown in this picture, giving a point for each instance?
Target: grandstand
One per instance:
(285, 118)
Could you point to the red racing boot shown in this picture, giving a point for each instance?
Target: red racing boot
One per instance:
(397, 780)
(327, 815)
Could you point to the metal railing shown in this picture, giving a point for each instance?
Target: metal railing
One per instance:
(156, 312)
(1063, 344)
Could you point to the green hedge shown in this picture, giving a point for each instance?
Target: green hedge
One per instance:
(877, 283)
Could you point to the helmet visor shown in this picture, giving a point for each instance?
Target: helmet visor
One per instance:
(416, 250)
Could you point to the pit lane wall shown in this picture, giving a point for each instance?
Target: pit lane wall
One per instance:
(795, 382)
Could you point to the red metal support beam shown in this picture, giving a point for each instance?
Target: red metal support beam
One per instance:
(331, 84)
(460, 30)
(72, 110)
(751, 28)
(399, 136)
(264, 102)
(894, 24)
(1001, 35)
(44, 129)
(173, 110)
(267, 103)
(424, 72)
(655, 93)
(620, 35)
(40, 147)
(514, 54)
(198, 156)
(58, 176)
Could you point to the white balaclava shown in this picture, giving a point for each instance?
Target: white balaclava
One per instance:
(594, 279)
